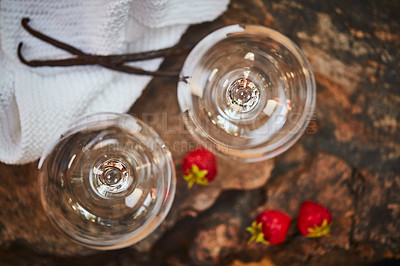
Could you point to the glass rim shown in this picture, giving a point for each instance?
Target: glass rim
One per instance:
(149, 225)
(251, 154)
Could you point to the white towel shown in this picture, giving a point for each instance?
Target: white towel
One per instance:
(37, 104)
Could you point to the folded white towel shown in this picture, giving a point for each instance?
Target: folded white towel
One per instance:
(36, 104)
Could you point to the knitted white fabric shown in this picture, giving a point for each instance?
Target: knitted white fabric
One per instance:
(37, 104)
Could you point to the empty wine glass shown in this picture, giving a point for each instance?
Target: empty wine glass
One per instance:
(108, 182)
(246, 92)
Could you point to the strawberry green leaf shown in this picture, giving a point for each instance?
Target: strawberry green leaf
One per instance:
(195, 175)
(256, 233)
(319, 231)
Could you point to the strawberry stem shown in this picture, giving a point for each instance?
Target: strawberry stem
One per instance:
(256, 233)
(322, 230)
(195, 175)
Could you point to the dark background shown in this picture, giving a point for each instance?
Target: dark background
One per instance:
(348, 160)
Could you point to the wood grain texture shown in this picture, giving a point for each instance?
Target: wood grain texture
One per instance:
(348, 159)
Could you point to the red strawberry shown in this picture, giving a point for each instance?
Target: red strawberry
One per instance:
(199, 166)
(314, 220)
(270, 227)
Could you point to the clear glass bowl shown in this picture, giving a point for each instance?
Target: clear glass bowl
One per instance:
(108, 182)
(246, 92)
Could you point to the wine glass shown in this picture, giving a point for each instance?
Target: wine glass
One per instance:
(246, 92)
(108, 181)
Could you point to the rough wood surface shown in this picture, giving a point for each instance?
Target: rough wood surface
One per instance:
(348, 160)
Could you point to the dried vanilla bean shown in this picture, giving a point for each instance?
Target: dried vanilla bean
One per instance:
(114, 62)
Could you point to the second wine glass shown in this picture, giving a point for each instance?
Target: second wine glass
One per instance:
(246, 92)
(108, 182)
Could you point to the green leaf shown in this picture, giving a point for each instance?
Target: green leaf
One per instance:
(256, 233)
(319, 231)
(250, 230)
